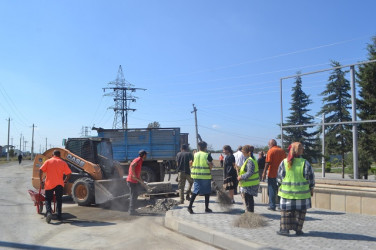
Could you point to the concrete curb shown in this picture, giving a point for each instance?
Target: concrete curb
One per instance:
(207, 235)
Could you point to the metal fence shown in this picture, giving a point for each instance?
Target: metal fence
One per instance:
(353, 122)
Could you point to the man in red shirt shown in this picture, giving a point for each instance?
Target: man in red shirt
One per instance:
(55, 169)
(273, 158)
(134, 180)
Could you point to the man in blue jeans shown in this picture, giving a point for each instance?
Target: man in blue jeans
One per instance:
(273, 158)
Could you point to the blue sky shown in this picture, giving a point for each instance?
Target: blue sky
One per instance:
(226, 57)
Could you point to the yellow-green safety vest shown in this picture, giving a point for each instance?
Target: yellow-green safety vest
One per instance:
(200, 167)
(294, 186)
(254, 179)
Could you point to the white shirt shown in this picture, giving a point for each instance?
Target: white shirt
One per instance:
(239, 158)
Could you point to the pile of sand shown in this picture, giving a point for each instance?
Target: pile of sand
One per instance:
(250, 220)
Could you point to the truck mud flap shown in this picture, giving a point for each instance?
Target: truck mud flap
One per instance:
(107, 190)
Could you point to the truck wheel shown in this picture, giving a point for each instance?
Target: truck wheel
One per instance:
(147, 174)
(83, 191)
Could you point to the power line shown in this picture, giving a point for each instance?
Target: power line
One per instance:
(11, 104)
(273, 57)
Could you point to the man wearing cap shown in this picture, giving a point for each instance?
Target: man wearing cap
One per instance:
(55, 169)
(134, 180)
(184, 161)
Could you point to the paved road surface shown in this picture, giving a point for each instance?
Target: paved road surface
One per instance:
(83, 227)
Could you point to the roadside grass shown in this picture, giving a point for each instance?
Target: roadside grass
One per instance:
(3, 160)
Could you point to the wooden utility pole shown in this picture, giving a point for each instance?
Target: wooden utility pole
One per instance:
(195, 111)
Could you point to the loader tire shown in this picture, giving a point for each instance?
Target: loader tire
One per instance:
(83, 191)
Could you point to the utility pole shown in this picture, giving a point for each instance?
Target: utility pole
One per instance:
(25, 142)
(32, 144)
(8, 139)
(20, 143)
(122, 99)
(195, 111)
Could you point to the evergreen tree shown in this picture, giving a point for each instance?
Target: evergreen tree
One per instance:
(337, 101)
(298, 116)
(366, 105)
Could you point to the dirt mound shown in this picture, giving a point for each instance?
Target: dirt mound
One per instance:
(250, 220)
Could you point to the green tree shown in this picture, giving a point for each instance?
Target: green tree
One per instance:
(337, 101)
(366, 104)
(154, 125)
(298, 116)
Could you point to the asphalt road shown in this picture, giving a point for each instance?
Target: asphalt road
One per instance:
(83, 227)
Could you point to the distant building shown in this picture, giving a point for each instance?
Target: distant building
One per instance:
(4, 149)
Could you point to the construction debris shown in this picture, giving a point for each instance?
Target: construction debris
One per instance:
(163, 205)
(250, 220)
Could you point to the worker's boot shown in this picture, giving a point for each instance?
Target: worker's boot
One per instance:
(188, 198)
(48, 217)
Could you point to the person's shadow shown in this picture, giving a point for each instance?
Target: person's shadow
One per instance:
(340, 236)
(72, 219)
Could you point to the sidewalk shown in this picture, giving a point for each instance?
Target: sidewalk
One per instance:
(324, 229)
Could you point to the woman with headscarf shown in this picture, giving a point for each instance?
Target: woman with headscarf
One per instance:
(229, 172)
(296, 180)
(249, 180)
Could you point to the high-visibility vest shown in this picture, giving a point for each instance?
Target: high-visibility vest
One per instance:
(294, 185)
(200, 167)
(254, 179)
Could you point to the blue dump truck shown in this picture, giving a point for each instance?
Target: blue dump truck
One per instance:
(162, 145)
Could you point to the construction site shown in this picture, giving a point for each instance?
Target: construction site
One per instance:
(239, 125)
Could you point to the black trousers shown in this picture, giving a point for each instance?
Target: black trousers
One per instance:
(249, 202)
(58, 190)
(134, 189)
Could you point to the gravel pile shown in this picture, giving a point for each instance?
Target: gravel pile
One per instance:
(163, 205)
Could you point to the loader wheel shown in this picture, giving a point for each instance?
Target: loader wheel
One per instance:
(83, 191)
(147, 174)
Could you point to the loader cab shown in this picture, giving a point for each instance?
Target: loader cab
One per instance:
(96, 150)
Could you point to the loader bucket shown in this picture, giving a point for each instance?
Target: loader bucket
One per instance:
(107, 190)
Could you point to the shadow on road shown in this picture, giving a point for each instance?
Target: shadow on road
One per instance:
(326, 212)
(71, 219)
(25, 246)
(340, 236)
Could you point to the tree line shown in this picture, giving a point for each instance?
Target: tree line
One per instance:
(336, 105)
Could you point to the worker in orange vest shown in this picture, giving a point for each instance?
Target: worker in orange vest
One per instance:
(221, 158)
